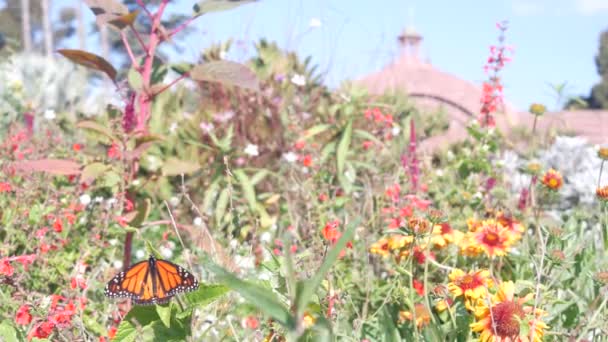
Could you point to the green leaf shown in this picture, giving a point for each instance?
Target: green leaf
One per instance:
(92, 171)
(182, 68)
(205, 295)
(164, 313)
(258, 176)
(343, 147)
(309, 287)
(97, 128)
(221, 205)
(209, 6)
(8, 333)
(247, 187)
(318, 129)
(139, 316)
(175, 167)
(143, 210)
(264, 299)
(391, 334)
(225, 72)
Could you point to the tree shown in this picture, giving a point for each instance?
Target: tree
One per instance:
(598, 99)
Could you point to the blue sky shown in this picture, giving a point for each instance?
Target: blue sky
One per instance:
(555, 40)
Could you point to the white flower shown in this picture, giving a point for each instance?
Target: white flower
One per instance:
(167, 253)
(315, 22)
(395, 130)
(265, 237)
(140, 254)
(252, 150)
(85, 199)
(173, 127)
(98, 199)
(197, 221)
(49, 114)
(233, 243)
(298, 80)
(206, 127)
(264, 275)
(174, 201)
(136, 182)
(290, 157)
(117, 264)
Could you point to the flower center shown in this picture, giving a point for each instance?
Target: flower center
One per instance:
(504, 317)
(490, 238)
(553, 182)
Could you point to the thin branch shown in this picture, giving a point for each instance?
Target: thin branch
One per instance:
(139, 39)
(143, 6)
(134, 61)
(174, 224)
(181, 77)
(181, 27)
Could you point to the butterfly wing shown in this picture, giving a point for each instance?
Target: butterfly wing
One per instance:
(129, 283)
(172, 279)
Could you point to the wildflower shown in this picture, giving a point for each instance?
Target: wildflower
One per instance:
(537, 109)
(58, 225)
(399, 241)
(78, 282)
(470, 248)
(510, 223)
(308, 320)
(472, 285)
(251, 322)
(114, 151)
(367, 144)
(85, 199)
(602, 152)
(5, 187)
(443, 304)
(198, 221)
(307, 160)
(49, 114)
(23, 316)
(602, 193)
(419, 225)
(299, 144)
(423, 316)
(6, 268)
(493, 238)
(553, 180)
(392, 192)
(380, 247)
(418, 287)
(444, 234)
(252, 150)
(299, 80)
(330, 232)
(41, 330)
(503, 318)
(395, 130)
(290, 157)
(76, 147)
(206, 127)
(533, 168)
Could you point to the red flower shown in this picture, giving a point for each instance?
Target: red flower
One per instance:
(25, 260)
(300, 144)
(323, 197)
(330, 232)
(57, 225)
(307, 160)
(5, 187)
(419, 287)
(367, 144)
(78, 281)
(41, 232)
(42, 330)
(76, 147)
(23, 316)
(71, 218)
(251, 322)
(406, 211)
(114, 151)
(112, 332)
(392, 192)
(6, 268)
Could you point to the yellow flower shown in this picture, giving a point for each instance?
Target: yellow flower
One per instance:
(537, 109)
(380, 247)
(398, 241)
(472, 285)
(423, 316)
(533, 168)
(501, 319)
(493, 238)
(473, 224)
(470, 248)
(442, 305)
(444, 234)
(553, 180)
(514, 226)
(308, 320)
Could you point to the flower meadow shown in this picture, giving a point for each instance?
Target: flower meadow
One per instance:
(301, 213)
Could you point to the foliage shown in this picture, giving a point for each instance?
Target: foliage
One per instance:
(598, 98)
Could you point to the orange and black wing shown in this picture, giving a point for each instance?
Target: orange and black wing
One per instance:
(172, 279)
(130, 283)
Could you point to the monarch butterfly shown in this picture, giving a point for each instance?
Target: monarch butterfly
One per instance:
(151, 282)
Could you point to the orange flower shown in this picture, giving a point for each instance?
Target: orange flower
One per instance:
(603, 153)
(472, 285)
(399, 241)
(330, 232)
(307, 160)
(493, 238)
(510, 223)
(553, 180)
(502, 320)
(444, 234)
(602, 193)
(423, 316)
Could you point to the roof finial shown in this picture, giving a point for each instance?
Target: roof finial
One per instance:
(410, 39)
